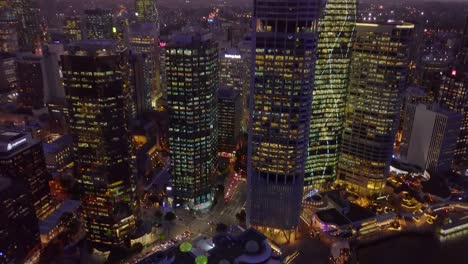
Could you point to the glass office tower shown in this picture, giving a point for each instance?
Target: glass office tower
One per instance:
(378, 77)
(147, 12)
(94, 74)
(336, 32)
(30, 33)
(143, 38)
(22, 160)
(284, 46)
(192, 86)
(98, 24)
(233, 74)
(453, 94)
(229, 120)
(72, 29)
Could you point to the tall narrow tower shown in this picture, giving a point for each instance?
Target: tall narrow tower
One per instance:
(336, 32)
(378, 77)
(284, 46)
(192, 86)
(94, 75)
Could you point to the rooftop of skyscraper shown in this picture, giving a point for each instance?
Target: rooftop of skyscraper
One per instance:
(189, 35)
(143, 29)
(227, 93)
(93, 47)
(12, 141)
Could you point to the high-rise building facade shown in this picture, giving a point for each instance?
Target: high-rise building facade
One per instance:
(137, 78)
(464, 43)
(54, 91)
(336, 32)
(49, 10)
(453, 94)
(284, 46)
(19, 228)
(72, 29)
(99, 24)
(192, 86)
(8, 30)
(147, 12)
(143, 38)
(229, 119)
(233, 74)
(430, 135)
(8, 80)
(94, 77)
(30, 33)
(378, 77)
(22, 160)
(30, 74)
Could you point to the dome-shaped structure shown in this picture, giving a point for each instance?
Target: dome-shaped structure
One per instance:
(201, 260)
(185, 247)
(252, 247)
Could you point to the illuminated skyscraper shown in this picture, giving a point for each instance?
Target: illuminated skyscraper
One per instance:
(22, 160)
(19, 228)
(30, 34)
(284, 45)
(99, 24)
(72, 29)
(233, 73)
(147, 12)
(229, 117)
(378, 77)
(143, 38)
(336, 33)
(192, 86)
(453, 94)
(95, 83)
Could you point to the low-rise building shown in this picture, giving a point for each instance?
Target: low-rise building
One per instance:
(58, 153)
(53, 224)
(337, 216)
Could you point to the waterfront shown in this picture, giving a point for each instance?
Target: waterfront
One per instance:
(414, 249)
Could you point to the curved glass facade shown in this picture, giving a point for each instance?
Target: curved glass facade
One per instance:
(336, 33)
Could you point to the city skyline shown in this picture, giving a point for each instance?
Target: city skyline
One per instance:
(221, 131)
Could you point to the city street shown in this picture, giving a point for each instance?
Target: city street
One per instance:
(199, 224)
(205, 223)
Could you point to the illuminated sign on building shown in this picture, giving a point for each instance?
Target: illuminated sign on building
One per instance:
(232, 56)
(15, 144)
(11, 140)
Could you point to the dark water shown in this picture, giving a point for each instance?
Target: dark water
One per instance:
(414, 249)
